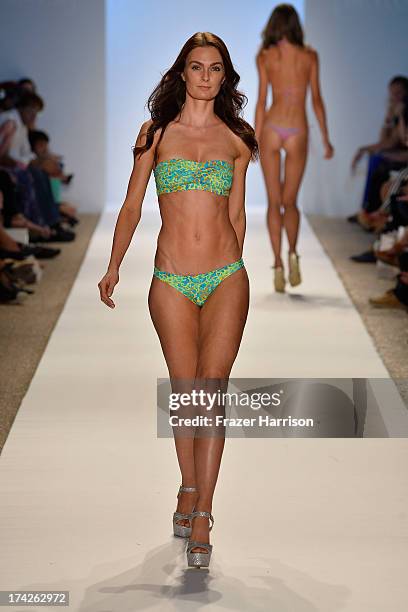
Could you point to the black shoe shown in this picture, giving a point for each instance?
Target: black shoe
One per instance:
(18, 276)
(24, 251)
(57, 235)
(366, 257)
(42, 252)
(39, 252)
(19, 255)
(353, 218)
(68, 219)
(9, 291)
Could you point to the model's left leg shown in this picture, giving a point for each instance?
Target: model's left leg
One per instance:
(295, 162)
(222, 322)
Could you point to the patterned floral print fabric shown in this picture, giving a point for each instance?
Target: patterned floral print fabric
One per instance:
(199, 287)
(180, 174)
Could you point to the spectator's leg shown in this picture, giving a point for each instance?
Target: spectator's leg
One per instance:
(10, 200)
(49, 208)
(401, 288)
(378, 177)
(374, 160)
(28, 202)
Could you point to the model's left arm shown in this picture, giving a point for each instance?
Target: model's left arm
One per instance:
(236, 202)
(318, 104)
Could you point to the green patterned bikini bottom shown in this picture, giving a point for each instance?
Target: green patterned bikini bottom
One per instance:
(199, 287)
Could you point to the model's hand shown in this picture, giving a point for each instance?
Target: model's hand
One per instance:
(106, 286)
(328, 150)
(404, 277)
(357, 158)
(398, 156)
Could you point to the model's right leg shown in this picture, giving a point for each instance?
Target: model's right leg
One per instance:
(176, 320)
(269, 154)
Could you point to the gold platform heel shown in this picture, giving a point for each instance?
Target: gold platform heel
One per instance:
(294, 269)
(279, 279)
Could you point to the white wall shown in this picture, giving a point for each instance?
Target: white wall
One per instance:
(362, 44)
(143, 40)
(60, 44)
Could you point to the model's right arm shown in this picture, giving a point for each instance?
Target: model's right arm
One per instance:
(262, 94)
(130, 212)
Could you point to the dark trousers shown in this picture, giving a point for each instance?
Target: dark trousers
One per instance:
(34, 195)
(42, 186)
(11, 205)
(378, 173)
(401, 289)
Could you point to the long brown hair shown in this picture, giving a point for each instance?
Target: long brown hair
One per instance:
(283, 22)
(168, 97)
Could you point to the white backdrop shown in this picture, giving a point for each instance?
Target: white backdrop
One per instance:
(362, 44)
(96, 81)
(143, 40)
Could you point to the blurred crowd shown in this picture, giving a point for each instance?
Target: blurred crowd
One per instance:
(384, 207)
(32, 180)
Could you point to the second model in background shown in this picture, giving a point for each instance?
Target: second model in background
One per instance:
(289, 66)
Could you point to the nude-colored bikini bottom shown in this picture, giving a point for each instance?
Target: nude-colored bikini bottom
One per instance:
(284, 132)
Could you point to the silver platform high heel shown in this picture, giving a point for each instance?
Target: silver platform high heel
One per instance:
(199, 559)
(182, 531)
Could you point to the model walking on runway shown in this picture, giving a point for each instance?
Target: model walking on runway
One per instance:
(198, 148)
(290, 67)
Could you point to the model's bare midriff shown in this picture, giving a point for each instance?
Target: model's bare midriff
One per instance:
(196, 234)
(288, 73)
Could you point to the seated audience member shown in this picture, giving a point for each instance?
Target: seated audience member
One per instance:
(27, 84)
(13, 217)
(52, 164)
(393, 211)
(30, 180)
(9, 95)
(397, 296)
(390, 152)
(38, 203)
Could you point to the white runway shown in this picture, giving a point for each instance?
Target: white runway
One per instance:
(87, 491)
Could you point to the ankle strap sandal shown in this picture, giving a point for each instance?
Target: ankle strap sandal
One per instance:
(199, 559)
(182, 531)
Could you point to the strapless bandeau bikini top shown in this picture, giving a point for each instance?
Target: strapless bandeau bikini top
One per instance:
(180, 174)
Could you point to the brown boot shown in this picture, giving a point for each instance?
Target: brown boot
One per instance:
(386, 257)
(387, 300)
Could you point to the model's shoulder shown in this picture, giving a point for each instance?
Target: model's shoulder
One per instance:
(261, 56)
(242, 150)
(143, 130)
(145, 126)
(310, 52)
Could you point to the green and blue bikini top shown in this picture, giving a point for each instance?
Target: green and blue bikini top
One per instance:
(180, 174)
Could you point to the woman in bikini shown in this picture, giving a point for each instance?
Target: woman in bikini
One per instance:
(289, 66)
(199, 148)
